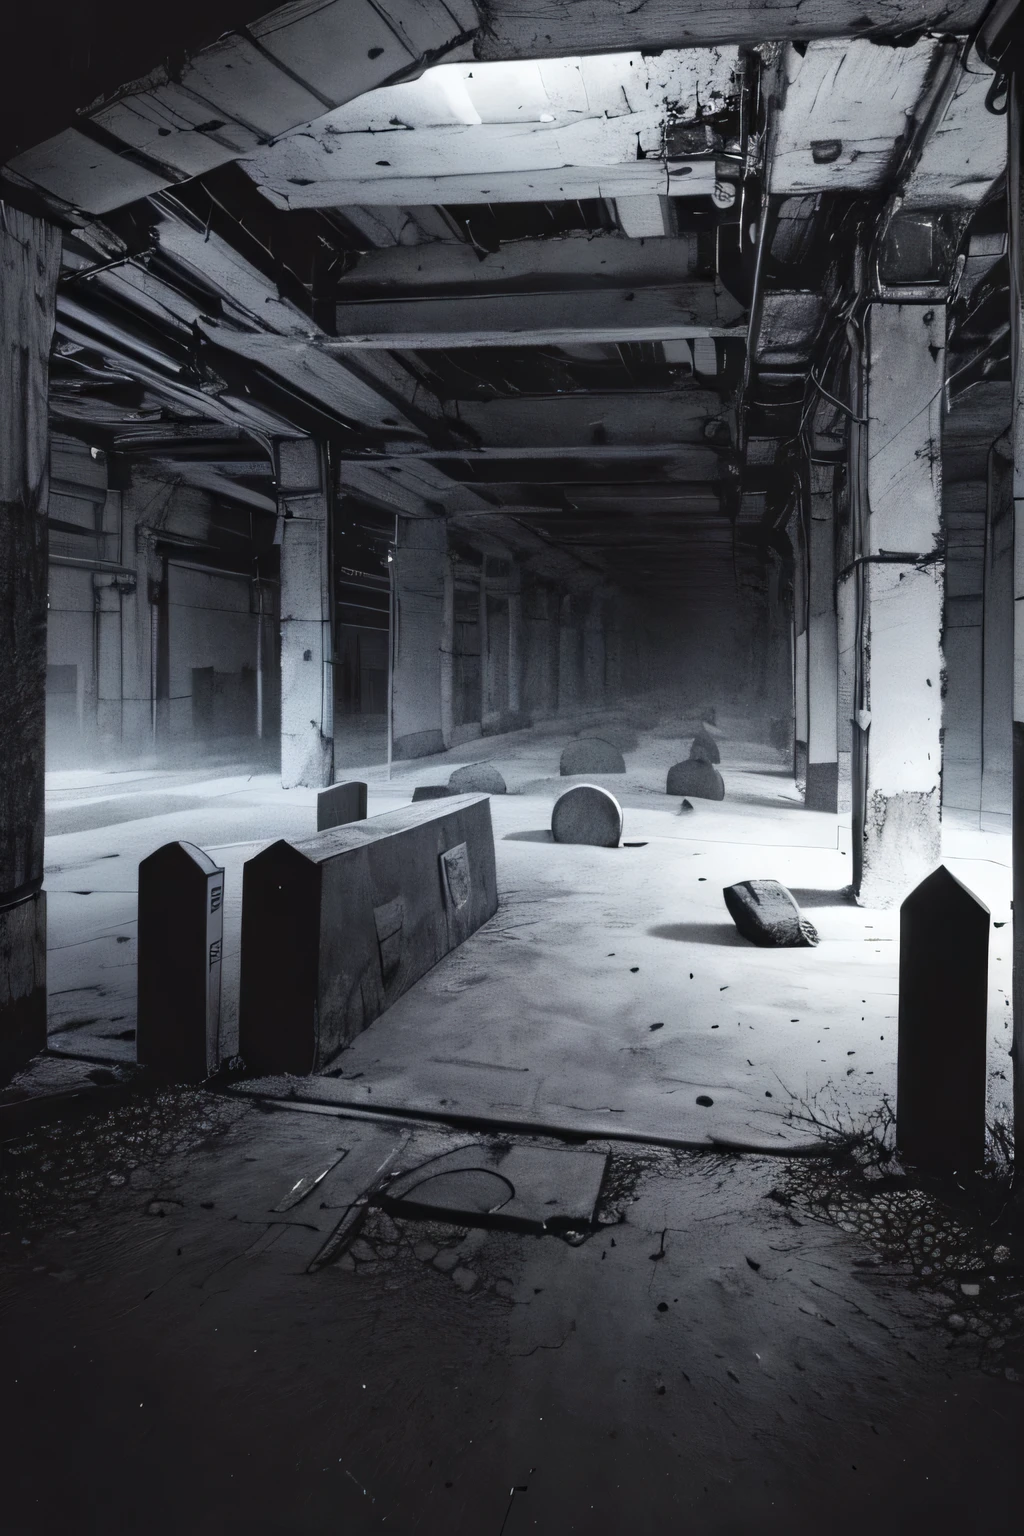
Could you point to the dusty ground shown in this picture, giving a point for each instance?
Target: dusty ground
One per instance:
(611, 991)
(718, 1356)
(742, 1343)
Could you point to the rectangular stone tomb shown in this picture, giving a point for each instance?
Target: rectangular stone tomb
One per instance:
(342, 803)
(337, 926)
(181, 932)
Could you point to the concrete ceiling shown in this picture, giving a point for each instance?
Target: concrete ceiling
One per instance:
(598, 296)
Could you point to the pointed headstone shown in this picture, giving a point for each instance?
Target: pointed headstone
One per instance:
(940, 1079)
(181, 932)
(704, 748)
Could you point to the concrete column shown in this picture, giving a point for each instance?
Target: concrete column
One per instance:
(1015, 184)
(447, 660)
(568, 656)
(29, 263)
(593, 651)
(515, 647)
(799, 544)
(420, 574)
(307, 677)
(897, 810)
(821, 792)
(997, 634)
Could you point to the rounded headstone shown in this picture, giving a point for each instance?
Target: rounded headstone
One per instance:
(704, 748)
(695, 778)
(591, 755)
(587, 814)
(477, 779)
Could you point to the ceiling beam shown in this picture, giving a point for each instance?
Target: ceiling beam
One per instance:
(564, 261)
(683, 312)
(579, 423)
(301, 181)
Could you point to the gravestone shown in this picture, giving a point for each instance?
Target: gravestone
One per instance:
(704, 748)
(181, 932)
(940, 1075)
(477, 779)
(342, 803)
(430, 792)
(591, 755)
(587, 814)
(695, 778)
(765, 913)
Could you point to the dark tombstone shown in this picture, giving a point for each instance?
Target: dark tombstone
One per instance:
(765, 913)
(695, 778)
(940, 1076)
(181, 932)
(591, 755)
(342, 803)
(477, 779)
(704, 748)
(430, 792)
(587, 814)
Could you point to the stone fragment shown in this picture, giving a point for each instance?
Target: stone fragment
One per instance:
(704, 748)
(686, 806)
(695, 778)
(464, 1278)
(591, 755)
(765, 913)
(587, 814)
(477, 779)
(430, 792)
(446, 1260)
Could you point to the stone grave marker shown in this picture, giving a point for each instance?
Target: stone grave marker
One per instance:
(940, 1075)
(587, 814)
(181, 934)
(342, 803)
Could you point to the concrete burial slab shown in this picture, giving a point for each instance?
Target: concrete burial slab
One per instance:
(337, 926)
(533, 1188)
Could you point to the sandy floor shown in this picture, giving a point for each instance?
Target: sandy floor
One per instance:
(544, 1018)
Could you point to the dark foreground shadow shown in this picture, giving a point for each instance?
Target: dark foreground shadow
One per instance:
(528, 837)
(698, 933)
(808, 898)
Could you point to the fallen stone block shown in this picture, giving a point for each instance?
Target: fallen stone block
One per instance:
(430, 792)
(704, 748)
(765, 913)
(337, 926)
(180, 940)
(591, 755)
(695, 778)
(342, 803)
(587, 814)
(477, 779)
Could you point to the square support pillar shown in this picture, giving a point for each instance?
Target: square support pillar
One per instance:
(423, 590)
(1015, 182)
(798, 542)
(29, 264)
(899, 695)
(822, 790)
(307, 653)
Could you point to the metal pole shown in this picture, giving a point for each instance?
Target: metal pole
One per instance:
(259, 661)
(391, 645)
(154, 641)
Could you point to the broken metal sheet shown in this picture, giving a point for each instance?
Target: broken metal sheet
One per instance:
(532, 1188)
